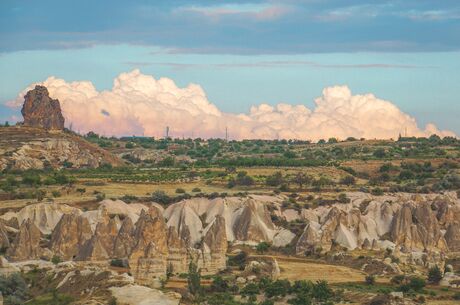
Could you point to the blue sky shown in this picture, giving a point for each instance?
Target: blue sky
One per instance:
(244, 52)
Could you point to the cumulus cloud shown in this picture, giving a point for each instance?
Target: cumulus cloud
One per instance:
(139, 104)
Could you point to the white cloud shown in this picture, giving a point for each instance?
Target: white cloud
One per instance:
(139, 104)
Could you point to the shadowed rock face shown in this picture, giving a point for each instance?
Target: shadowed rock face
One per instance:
(39, 110)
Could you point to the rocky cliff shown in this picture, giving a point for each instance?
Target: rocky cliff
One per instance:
(39, 110)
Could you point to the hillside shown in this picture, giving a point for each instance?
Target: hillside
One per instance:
(25, 148)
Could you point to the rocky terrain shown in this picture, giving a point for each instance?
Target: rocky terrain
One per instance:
(152, 242)
(34, 148)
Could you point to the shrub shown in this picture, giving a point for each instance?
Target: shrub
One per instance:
(348, 180)
(55, 259)
(160, 197)
(262, 247)
(14, 289)
(56, 194)
(100, 196)
(370, 279)
(118, 263)
(377, 191)
(196, 190)
(180, 191)
(219, 284)
(434, 275)
(398, 279)
(343, 198)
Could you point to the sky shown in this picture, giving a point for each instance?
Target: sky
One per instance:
(243, 53)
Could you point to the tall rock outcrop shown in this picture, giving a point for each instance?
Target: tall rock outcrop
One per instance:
(214, 247)
(26, 245)
(254, 223)
(39, 110)
(124, 242)
(148, 260)
(177, 256)
(71, 232)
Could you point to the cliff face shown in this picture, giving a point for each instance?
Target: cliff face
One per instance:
(39, 110)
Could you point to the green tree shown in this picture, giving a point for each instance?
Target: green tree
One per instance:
(194, 279)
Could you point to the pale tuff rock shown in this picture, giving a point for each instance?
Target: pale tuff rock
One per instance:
(26, 245)
(417, 228)
(69, 235)
(106, 232)
(403, 221)
(177, 256)
(45, 215)
(149, 256)
(6, 267)
(124, 242)
(247, 220)
(140, 295)
(214, 246)
(93, 250)
(254, 223)
(452, 237)
(122, 209)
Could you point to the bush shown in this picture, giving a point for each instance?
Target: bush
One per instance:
(14, 289)
(55, 259)
(434, 275)
(377, 191)
(370, 279)
(343, 198)
(180, 191)
(262, 247)
(117, 262)
(160, 197)
(398, 279)
(348, 180)
(196, 190)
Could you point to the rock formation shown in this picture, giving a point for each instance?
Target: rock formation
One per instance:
(69, 235)
(148, 259)
(39, 110)
(26, 245)
(124, 242)
(452, 236)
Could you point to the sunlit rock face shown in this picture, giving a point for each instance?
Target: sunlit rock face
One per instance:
(39, 110)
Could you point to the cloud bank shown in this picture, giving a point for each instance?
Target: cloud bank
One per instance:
(139, 104)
